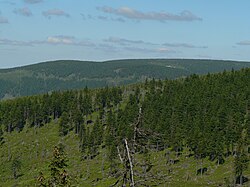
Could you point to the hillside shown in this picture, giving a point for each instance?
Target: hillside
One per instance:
(65, 75)
(192, 131)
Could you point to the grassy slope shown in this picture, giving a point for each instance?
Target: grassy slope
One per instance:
(47, 76)
(34, 147)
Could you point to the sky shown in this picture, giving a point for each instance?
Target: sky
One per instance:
(33, 31)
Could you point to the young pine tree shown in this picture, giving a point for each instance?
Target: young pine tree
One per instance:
(59, 176)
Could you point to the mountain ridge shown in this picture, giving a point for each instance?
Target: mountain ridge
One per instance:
(74, 74)
(120, 60)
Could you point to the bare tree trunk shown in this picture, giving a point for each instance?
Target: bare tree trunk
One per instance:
(130, 164)
(119, 154)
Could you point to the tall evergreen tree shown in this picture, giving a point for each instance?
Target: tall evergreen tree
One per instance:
(64, 124)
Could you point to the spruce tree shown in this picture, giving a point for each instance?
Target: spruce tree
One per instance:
(64, 125)
(241, 161)
(59, 175)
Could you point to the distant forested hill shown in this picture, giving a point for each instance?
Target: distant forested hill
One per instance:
(68, 74)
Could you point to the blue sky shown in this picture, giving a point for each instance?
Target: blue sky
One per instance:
(33, 31)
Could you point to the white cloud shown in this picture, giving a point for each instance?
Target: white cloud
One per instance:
(7, 2)
(67, 40)
(51, 40)
(60, 40)
(14, 42)
(103, 18)
(130, 13)
(164, 50)
(246, 42)
(33, 1)
(149, 50)
(183, 45)
(55, 12)
(3, 20)
(140, 50)
(85, 17)
(106, 18)
(122, 41)
(107, 48)
(118, 19)
(23, 11)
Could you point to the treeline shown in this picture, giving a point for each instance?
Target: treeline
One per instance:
(40, 110)
(207, 114)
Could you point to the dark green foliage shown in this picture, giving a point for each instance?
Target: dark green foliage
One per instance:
(83, 138)
(97, 133)
(59, 176)
(1, 136)
(95, 137)
(209, 108)
(86, 102)
(111, 142)
(199, 112)
(64, 124)
(16, 167)
(77, 120)
(241, 163)
(242, 159)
